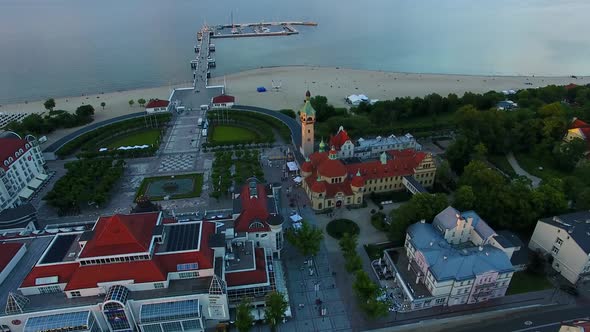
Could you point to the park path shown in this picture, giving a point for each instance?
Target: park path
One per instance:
(516, 167)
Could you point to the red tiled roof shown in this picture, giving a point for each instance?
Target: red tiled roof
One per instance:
(157, 103)
(140, 271)
(253, 208)
(257, 276)
(223, 99)
(63, 272)
(571, 86)
(332, 168)
(204, 257)
(307, 167)
(7, 252)
(8, 146)
(317, 186)
(357, 181)
(340, 138)
(121, 234)
(577, 123)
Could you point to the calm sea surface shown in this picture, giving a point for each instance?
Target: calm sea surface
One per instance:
(53, 48)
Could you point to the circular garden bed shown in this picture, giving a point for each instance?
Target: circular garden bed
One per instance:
(337, 227)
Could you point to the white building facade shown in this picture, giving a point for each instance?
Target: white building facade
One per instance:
(21, 169)
(567, 239)
(365, 148)
(452, 261)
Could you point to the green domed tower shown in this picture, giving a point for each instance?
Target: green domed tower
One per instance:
(307, 118)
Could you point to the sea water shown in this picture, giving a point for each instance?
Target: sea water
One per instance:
(54, 48)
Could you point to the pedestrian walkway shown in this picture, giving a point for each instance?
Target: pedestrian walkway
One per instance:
(516, 167)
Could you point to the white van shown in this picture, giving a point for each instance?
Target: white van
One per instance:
(204, 107)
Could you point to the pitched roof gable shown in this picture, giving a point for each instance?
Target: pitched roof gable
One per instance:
(121, 234)
(254, 208)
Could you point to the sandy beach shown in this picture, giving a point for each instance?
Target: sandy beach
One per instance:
(333, 82)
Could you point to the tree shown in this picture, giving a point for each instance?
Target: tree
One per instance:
(306, 239)
(375, 308)
(103, 104)
(348, 243)
(480, 152)
(583, 199)
(353, 262)
(464, 198)
(364, 287)
(244, 318)
(49, 104)
(141, 102)
(444, 174)
(553, 109)
(274, 312)
(131, 102)
(568, 154)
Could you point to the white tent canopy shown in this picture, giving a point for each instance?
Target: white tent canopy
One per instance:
(297, 225)
(35, 183)
(296, 218)
(25, 193)
(298, 179)
(292, 166)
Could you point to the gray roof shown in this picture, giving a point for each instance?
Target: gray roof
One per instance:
(416, 184)
(18, 217)
(446, 219)
(447, 262)
(504, 242)
(576, 224)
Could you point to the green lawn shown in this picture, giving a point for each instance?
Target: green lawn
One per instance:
(502, 163)
(523, 282)
(232, 134)
(198, 185)
(531, 164)
(143, 137)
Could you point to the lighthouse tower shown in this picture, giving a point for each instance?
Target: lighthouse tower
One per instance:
(307, 118)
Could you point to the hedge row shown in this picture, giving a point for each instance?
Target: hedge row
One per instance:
(248, 117)
(92, 139)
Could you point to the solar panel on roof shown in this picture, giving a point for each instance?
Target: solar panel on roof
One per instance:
(59, 249)
(183, 237)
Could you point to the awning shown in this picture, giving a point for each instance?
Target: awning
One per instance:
(292, 166)
(25, 193)
(296, 217)
(42, 176)
(35, 183)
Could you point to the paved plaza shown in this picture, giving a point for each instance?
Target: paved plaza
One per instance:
(175, 163)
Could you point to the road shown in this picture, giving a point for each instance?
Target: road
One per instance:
(545, 321)
(293, 124)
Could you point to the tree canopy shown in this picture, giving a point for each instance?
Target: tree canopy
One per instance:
(244, 318)
(306, 239)
(274, 312)
(49, 104)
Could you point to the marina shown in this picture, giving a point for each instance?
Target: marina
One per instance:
(201, 93)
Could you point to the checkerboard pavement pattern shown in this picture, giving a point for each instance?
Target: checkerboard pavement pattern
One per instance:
(183, 162)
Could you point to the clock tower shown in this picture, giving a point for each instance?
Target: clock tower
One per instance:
(307, 118)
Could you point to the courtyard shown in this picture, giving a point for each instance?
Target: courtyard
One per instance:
(171, 186)
(143, 137)
(234, 134)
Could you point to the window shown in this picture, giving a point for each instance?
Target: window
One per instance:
(159, 285)
(75, 294)
(440, 301)
(188, 275)
(49, 289)
(555, 250)
(188, 267)
(559, 241)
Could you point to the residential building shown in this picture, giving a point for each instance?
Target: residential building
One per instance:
(157, 106)
(567, 239)
(330, 182)
(457, 259)
(365, 148)
(147, 272)
(579, 129)
(21, 169)
(222, 102)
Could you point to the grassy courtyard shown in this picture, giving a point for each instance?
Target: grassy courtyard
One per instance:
(144, 137)
(222, 134)
(531, 164)
(195, 192)
(524, 282)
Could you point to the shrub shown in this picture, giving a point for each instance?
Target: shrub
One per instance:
(337, 227)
